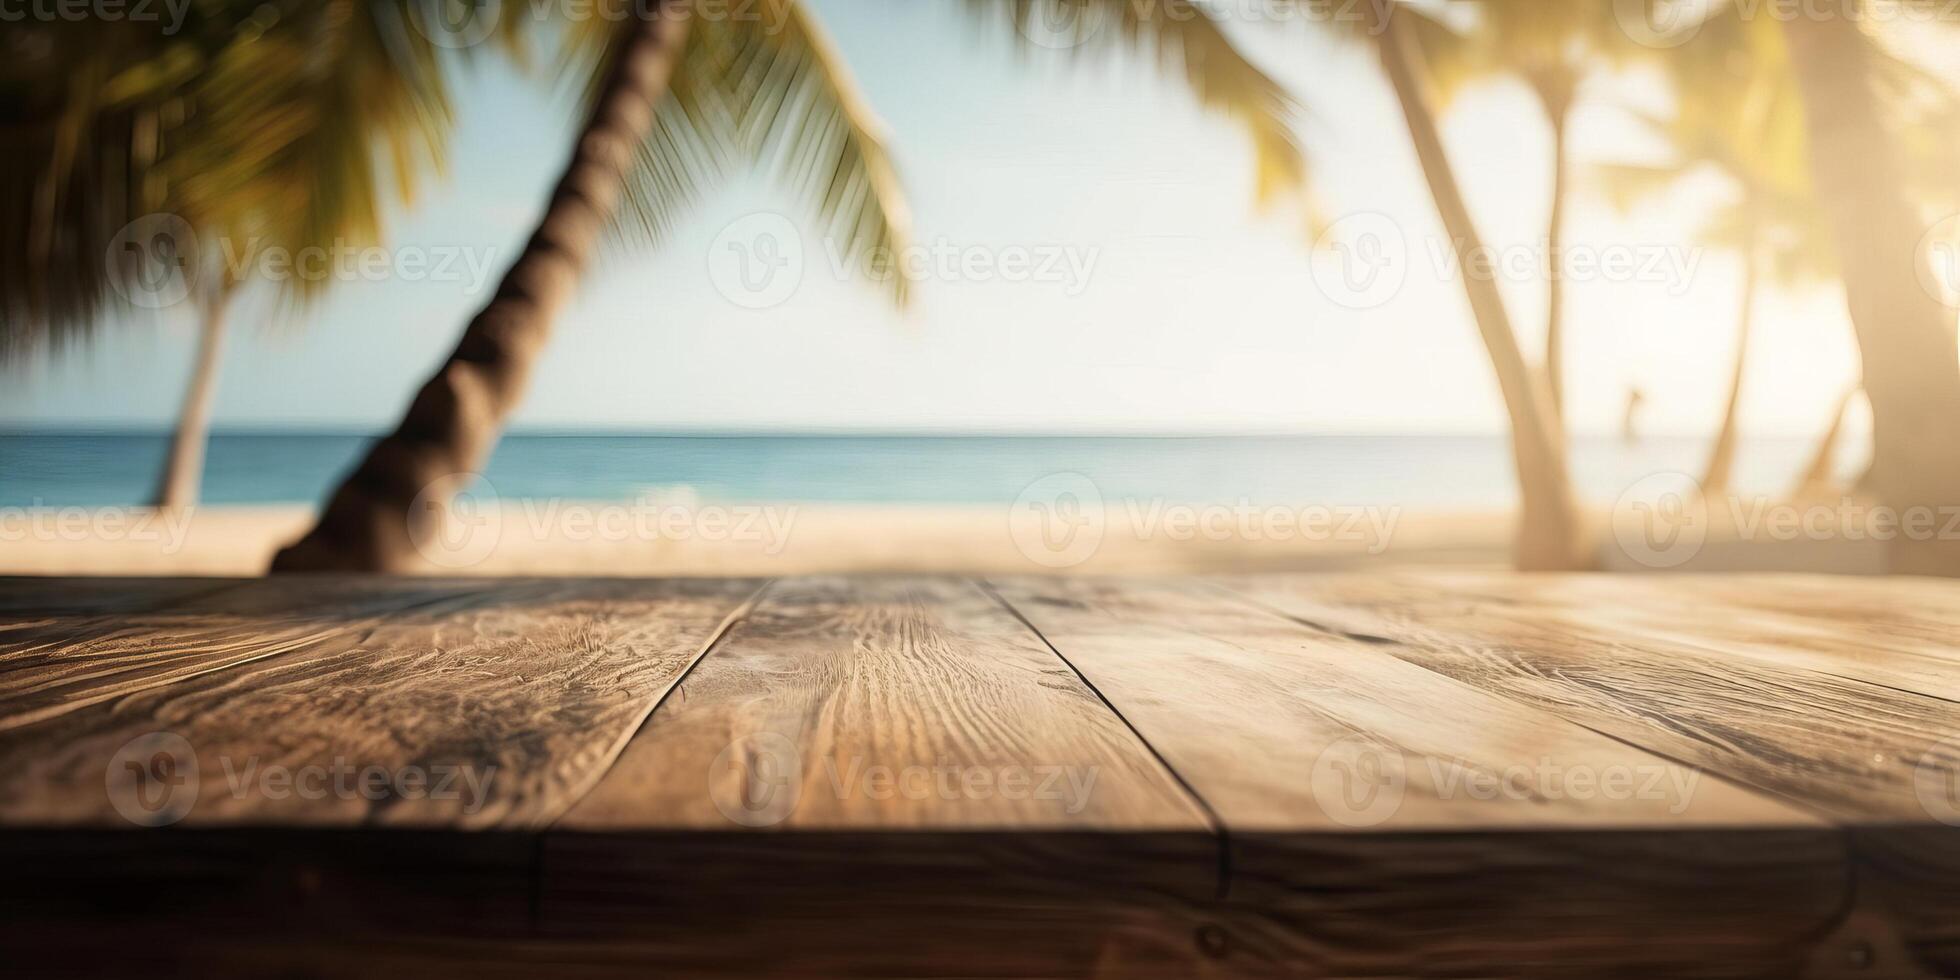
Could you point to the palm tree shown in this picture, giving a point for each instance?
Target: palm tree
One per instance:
(1552, 48)
(675, 93)
(1551, 533)
(1738, 114)
(253, 128)
(1905, 334)
(671, 93)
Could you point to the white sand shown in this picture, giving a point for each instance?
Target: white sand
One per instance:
(535, 538)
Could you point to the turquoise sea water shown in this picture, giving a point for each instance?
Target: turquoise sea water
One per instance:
(1443, 472)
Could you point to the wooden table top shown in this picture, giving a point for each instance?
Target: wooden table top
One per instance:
(1458, 773)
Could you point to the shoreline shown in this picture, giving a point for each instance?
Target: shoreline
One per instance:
(612, 538)
(621, 538)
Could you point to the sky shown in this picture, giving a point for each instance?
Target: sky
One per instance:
(1156, 299)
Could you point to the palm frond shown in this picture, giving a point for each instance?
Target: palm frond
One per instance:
(767, 90)
(1188, 42)
(260, 124)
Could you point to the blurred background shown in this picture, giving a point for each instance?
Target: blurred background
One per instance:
(1081, 285)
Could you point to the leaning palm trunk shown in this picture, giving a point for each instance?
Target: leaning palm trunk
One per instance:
(1912, 373)
(1715, 477)
(455, 420)
(183, 469)
(1551, 535)
(1556, 96)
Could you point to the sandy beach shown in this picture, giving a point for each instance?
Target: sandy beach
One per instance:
(608, 539)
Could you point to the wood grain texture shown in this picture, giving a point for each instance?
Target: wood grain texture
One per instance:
(1861, 633)
(1834, 745)
(859, 760)
(857, 704)
(1384, 819)
(90, 651)
(509, 700)
(759, 820)
(1281, 728)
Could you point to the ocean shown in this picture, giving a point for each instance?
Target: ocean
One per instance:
(1427, 472)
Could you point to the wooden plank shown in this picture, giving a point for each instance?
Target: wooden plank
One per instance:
(864, 759)
(51, 664)
(1029, 901)
(1384, 819)
(495, 705)
(1263, 717)
(1742, 616)
(858, 704)
(1834, 745)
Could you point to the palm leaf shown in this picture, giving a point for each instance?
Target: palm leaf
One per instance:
(769, 91)
(1188, 42)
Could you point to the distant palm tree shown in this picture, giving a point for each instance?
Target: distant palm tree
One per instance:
(253, 127)
(1737, 113)
(1551, 535)
(1553, 48)
(1550, 532)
